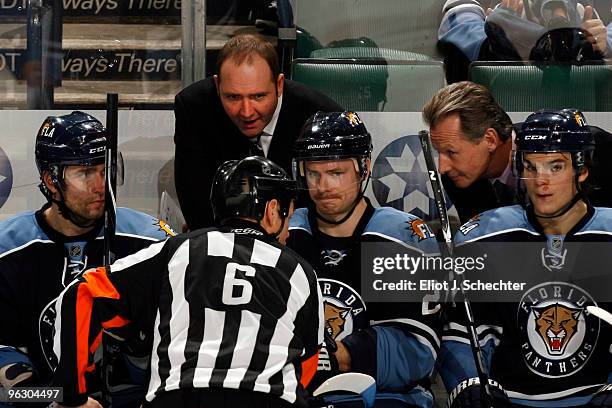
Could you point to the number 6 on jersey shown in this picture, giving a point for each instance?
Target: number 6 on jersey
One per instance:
(231, 281)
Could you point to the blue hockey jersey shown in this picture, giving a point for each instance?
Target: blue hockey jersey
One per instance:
(37, 263)
(545, 350)
(396, 343)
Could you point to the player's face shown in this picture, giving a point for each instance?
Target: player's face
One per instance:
(461, 159)
(333, 186)
(84, 191)
(549, 179)
(249, 93)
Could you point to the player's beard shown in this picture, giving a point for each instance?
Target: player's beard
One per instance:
(86, 214)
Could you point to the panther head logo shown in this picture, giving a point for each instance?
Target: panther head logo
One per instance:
(556, 325)
(335, 317)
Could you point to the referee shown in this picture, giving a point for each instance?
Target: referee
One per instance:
(236, 317)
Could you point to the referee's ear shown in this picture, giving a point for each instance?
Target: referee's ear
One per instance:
(271, 220)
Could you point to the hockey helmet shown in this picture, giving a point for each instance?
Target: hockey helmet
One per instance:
(332, 136)
(73, 139)
(563, 130)
(567, 44)
(76, 139)
(242, 188)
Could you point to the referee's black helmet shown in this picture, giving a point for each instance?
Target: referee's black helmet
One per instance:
(241, 188)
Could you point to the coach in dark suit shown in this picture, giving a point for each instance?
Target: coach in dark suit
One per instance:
(247, 108)
(474, 139)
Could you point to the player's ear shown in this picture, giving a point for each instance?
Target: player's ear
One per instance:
(46, 178)
(584, 173)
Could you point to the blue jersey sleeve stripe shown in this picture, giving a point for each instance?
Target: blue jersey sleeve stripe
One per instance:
(34, 241)
(125, 234)
(492, 234)
(299, 228)
(479, 330)
(594, 232)
(554, 395)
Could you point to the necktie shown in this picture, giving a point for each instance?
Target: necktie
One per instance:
(504, 193)
(255, 147)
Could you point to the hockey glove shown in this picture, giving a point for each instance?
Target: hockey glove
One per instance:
(328, 364)
(467, 395)
(602, 398)
(16, 374)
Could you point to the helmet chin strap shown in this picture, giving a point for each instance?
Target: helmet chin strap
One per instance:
(579, 196)
(71, 216)
(348, 214)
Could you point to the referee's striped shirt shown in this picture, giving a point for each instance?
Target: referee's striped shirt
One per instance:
(229, 308)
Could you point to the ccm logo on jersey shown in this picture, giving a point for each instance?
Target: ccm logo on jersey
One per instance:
(535, 137)
(97, 149)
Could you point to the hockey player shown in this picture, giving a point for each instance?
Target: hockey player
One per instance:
(544, 349)
(396, 343)
(42, 251)
(237, 317)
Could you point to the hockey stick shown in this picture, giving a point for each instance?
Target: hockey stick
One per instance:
(601, 313)
(110, 161)
(357, 383)
(436, 185)
(110, 223)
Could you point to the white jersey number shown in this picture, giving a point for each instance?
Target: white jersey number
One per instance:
(231, 282)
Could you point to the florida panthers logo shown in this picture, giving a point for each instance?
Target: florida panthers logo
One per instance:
(420, 229)
(46, 330)
(163, 226)
(344, 309)
(335, 317)
(556, 325)
(558, 336)
(353, 118)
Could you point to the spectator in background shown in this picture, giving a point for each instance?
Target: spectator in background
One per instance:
(470, 31)
(247, 108)
(474, 139)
